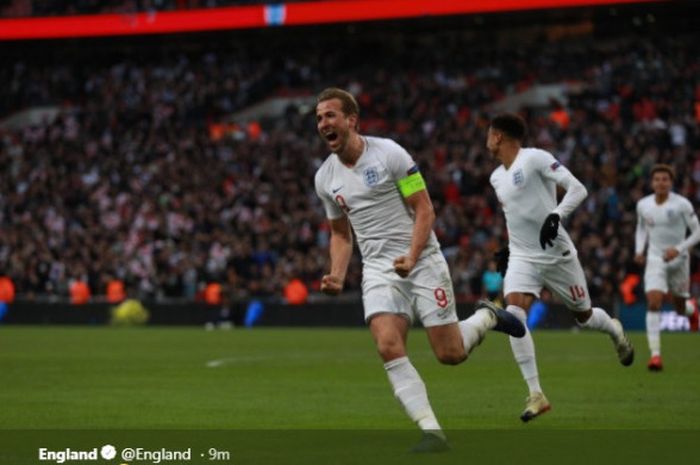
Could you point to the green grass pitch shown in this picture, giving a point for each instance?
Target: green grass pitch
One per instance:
(326, 379)
(315, 380)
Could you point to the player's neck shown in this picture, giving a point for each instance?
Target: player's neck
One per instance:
(661, 198)
(353, 150)
(508, 155)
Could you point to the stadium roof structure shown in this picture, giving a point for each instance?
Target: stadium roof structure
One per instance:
(270, 15)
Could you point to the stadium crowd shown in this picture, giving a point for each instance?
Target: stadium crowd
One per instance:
(131, 182)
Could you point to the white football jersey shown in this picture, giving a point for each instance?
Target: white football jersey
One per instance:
(527, 191)
(665, 225)
(368, 194)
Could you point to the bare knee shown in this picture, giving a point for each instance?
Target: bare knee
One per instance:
(655, 300)
(447, 343)
(391, 349)
(654, 307)
(520, 299)
(389, 333)
(451, 356)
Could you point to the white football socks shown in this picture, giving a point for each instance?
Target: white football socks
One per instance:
(654, 332)
(524, 352)
(474, 328)
(410, 391)
(601, 321)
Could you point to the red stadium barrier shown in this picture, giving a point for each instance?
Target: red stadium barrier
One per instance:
(367, 10)
(293, 14)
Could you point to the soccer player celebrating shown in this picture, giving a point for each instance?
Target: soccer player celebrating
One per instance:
(662, 219)
(373, 185)
(540, 252)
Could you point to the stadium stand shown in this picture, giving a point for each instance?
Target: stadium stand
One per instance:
(144, 175)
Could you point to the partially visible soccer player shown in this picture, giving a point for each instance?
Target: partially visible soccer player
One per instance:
(373, 185)
(540, 252)
(662, 220)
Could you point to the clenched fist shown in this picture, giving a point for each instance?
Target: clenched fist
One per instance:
(403, 265)
(331, 285)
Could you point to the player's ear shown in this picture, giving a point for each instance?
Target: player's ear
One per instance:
(353, 122)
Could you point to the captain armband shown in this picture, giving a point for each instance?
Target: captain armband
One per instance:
(411, 184)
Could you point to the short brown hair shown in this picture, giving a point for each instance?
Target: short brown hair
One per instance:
(348, 102)
(663, 168)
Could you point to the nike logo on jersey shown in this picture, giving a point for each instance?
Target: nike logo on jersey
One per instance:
(336, 190)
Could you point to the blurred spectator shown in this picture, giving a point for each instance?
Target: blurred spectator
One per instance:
(142, 177)
(7, 290)
(115, 291)
(212, 294)
(295, 292)
(493, 281)
(79, 292)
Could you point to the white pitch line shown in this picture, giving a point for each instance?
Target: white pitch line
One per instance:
(219, 362)
(232, 360)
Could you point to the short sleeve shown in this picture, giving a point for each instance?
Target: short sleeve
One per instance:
(398, 161)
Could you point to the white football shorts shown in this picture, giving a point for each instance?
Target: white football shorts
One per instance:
(426, 294)
(673, 276)
(565, 279)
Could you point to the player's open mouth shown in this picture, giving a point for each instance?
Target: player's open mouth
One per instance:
(330, 137)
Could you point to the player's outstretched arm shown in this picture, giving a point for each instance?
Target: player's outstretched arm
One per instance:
(425, 217)
(341, 252)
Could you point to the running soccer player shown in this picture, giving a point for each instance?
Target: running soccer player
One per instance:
(540, 252)
(373, 185)
(662, 220)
